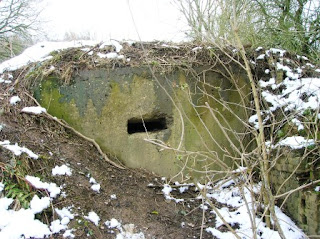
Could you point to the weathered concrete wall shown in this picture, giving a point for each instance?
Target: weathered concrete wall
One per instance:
(108, 105)
(290, 172)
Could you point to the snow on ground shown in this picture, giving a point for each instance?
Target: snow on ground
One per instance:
(95, 186)
(40, 52)
(17, 150)
(34, 110)
(14, 224)
(93, 217)
(125, 231)
(235, 210)
(14, 100)
(52, 188)
(61, 170)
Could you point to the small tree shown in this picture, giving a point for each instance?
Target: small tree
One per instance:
(17, 19)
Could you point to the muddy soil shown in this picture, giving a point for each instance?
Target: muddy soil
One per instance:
(136, 202)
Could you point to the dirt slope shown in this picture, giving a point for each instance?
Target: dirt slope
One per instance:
(135, 202)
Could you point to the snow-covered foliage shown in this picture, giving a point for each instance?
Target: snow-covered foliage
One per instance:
(292, 91)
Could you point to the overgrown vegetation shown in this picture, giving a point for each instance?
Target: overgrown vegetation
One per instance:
(288, 24)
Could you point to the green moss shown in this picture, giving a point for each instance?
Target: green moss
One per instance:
(48, 95)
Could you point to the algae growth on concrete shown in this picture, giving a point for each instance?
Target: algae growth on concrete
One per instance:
(123, 109)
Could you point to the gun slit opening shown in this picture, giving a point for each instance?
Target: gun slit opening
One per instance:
(149, 125)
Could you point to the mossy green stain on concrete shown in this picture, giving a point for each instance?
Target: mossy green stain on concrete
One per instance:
(100, 102)
(49, 96)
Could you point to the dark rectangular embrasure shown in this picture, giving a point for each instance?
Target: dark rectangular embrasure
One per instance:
(149, 125)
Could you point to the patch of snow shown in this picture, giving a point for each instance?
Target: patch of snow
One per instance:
(1, 187)
(295, 142)
(65, 221)
(261, 57)
(240, 216)
(254, 121)
(167, 189)
(64, 213)
(113, 223)
(4, 204)
(52, 188)
(34, 110)
(288, 71)
(17, 150)
(198, 48)
(56, 226)
(121, 57)
(68, 234)
(267, 71)
(183, 187)
(21, 223)
(259, 48)
(39, 52)
(264, 84)
(277, 51)
(113, 196)
(93, 217)
(291, 97)
(298, 124)
(176, 47)
(61, 170)
(96, 187)
(114, 43)
(317, 189)
(110, 55)
(14, 100)
(127, 232)
(226, 184)
(92, 180)
(37, 205)
(310, 65)
(288, 226)
(302, 57)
